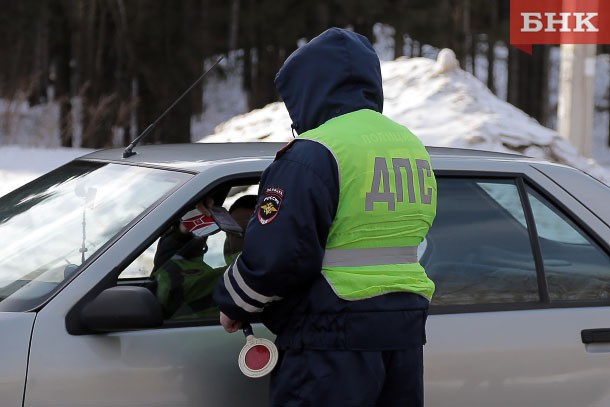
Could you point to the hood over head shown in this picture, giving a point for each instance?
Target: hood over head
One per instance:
(337, 72)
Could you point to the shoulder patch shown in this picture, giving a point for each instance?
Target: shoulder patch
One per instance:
(270, 205)
(284, 149)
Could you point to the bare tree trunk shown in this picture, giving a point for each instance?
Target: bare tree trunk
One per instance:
(470, 39)
(513, 75)
(87, 29)
(606, 49)
(38, 92)
(453, 28)
(528, 81)
(196, 97)
(491, 45)
(234, 25)
(400, 27)
(262, 89)
(323, 15)
(101, 98)
(126, 84)
(491, 60)
(60, 45)
(473, 52)
(247, 74)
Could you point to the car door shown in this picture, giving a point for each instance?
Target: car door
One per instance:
(15, 331)
(521, 269)
(181, 363)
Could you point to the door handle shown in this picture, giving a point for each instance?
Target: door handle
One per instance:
(599, 335)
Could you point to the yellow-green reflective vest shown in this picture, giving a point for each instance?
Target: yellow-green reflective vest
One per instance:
(387, 203)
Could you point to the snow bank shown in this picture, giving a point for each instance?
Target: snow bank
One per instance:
(441, 103)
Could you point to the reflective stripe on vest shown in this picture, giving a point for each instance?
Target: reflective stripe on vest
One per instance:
(369, 257)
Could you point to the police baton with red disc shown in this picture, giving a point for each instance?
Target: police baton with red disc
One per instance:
(258, 357)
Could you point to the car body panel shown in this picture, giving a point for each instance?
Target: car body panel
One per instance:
(517, 358)
(185, 366)
(15, 333)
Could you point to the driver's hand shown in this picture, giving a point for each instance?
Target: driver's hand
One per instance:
(201, 206)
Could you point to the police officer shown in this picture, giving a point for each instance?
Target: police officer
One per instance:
(330, 256)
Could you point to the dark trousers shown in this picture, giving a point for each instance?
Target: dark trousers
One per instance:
(348, 378)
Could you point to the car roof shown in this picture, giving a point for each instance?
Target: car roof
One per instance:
(438, 152)
(195, 156)
(482, 160)
(192, 157)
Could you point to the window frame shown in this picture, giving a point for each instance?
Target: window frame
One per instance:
(522, 182)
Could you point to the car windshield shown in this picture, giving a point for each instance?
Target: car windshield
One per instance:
(51, 226)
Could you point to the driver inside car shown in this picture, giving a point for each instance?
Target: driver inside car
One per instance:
(184, 281)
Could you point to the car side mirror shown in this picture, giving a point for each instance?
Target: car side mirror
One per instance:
(122, 308)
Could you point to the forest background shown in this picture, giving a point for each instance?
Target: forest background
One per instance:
(126, 61)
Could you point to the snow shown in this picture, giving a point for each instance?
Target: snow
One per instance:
(440, 102)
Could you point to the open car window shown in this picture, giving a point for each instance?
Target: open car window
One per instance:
(182, 270)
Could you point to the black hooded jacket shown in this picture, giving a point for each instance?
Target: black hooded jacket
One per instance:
(278, 275)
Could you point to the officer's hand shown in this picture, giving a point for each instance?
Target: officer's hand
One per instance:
(228, 324)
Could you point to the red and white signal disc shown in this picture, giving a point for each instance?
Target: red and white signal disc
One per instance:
(258, 357)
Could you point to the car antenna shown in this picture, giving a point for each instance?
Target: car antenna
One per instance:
(128, 151)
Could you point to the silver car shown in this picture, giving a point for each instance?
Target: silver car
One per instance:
(519, 252)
